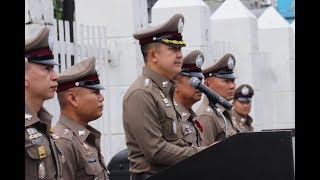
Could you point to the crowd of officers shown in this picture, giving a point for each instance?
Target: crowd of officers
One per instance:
(160, 126)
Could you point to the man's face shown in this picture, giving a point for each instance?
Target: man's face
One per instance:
(224, 87)
(89, 103)
(186, 91)
(242, 107)
(40, 80)
(169, 60)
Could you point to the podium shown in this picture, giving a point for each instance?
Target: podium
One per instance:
(264, 155)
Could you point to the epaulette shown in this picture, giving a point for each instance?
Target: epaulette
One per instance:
(27, 116)
(208, 111)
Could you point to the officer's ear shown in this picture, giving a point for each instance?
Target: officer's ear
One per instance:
(71, 96)
(153, 55)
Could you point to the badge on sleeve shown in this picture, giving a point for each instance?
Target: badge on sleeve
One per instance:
(41, 171)
(174, 127)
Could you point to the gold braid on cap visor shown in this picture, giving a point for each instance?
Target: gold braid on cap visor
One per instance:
(176, 42)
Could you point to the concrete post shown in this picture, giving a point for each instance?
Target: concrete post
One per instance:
(232, 22)
(37, 14)
(196, 27)
(122, 18)
(276, 36)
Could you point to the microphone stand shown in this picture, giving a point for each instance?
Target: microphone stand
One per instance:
(214, 107)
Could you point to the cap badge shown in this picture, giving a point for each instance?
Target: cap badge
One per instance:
(199, 61)
(230, 63)
(180, 26)
(51, 41)
(76, 83)
(245, 90)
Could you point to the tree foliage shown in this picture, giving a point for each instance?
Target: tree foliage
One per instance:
(58, 9)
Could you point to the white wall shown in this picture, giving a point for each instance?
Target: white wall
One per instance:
(264, 53)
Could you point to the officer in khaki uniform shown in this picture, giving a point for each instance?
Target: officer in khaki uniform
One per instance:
(80, 102)
(242, 107)
(220, 79)
(40, 84)
(151, 123)
(186, 95)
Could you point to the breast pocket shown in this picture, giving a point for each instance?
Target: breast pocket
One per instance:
(170, 125)
(93, 168)
(37, 148)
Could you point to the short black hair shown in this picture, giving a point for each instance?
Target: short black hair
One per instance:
(146, 47)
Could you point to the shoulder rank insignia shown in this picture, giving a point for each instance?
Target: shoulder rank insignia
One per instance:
(146, 81)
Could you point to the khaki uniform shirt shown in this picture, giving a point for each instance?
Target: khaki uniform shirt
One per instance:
(151, 124)
(80, 151)
(244, 124)
(213, 123)
(190, 131)
(40, 153)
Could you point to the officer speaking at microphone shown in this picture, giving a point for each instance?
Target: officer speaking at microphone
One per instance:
(153, 133)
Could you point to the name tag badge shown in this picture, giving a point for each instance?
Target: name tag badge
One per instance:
(42, 152)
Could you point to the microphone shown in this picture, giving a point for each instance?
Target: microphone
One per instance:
(212, 96)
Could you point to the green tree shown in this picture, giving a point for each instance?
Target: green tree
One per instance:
(58, 9)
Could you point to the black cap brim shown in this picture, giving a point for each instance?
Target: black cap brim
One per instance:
(244, 99)
(46, 62)
(193, 74)
(226, 76)
(95, 86)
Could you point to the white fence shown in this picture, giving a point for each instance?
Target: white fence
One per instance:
(87, 41)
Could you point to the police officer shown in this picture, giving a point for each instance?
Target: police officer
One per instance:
(40, 84)
(242, 107)
(186, 95)
(220, 79)
(80, 102)
(151, 124)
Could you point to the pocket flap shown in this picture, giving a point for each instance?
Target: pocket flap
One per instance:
(93, 168)
(38, 151)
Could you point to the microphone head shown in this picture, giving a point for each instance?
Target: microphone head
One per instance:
(193, 81)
